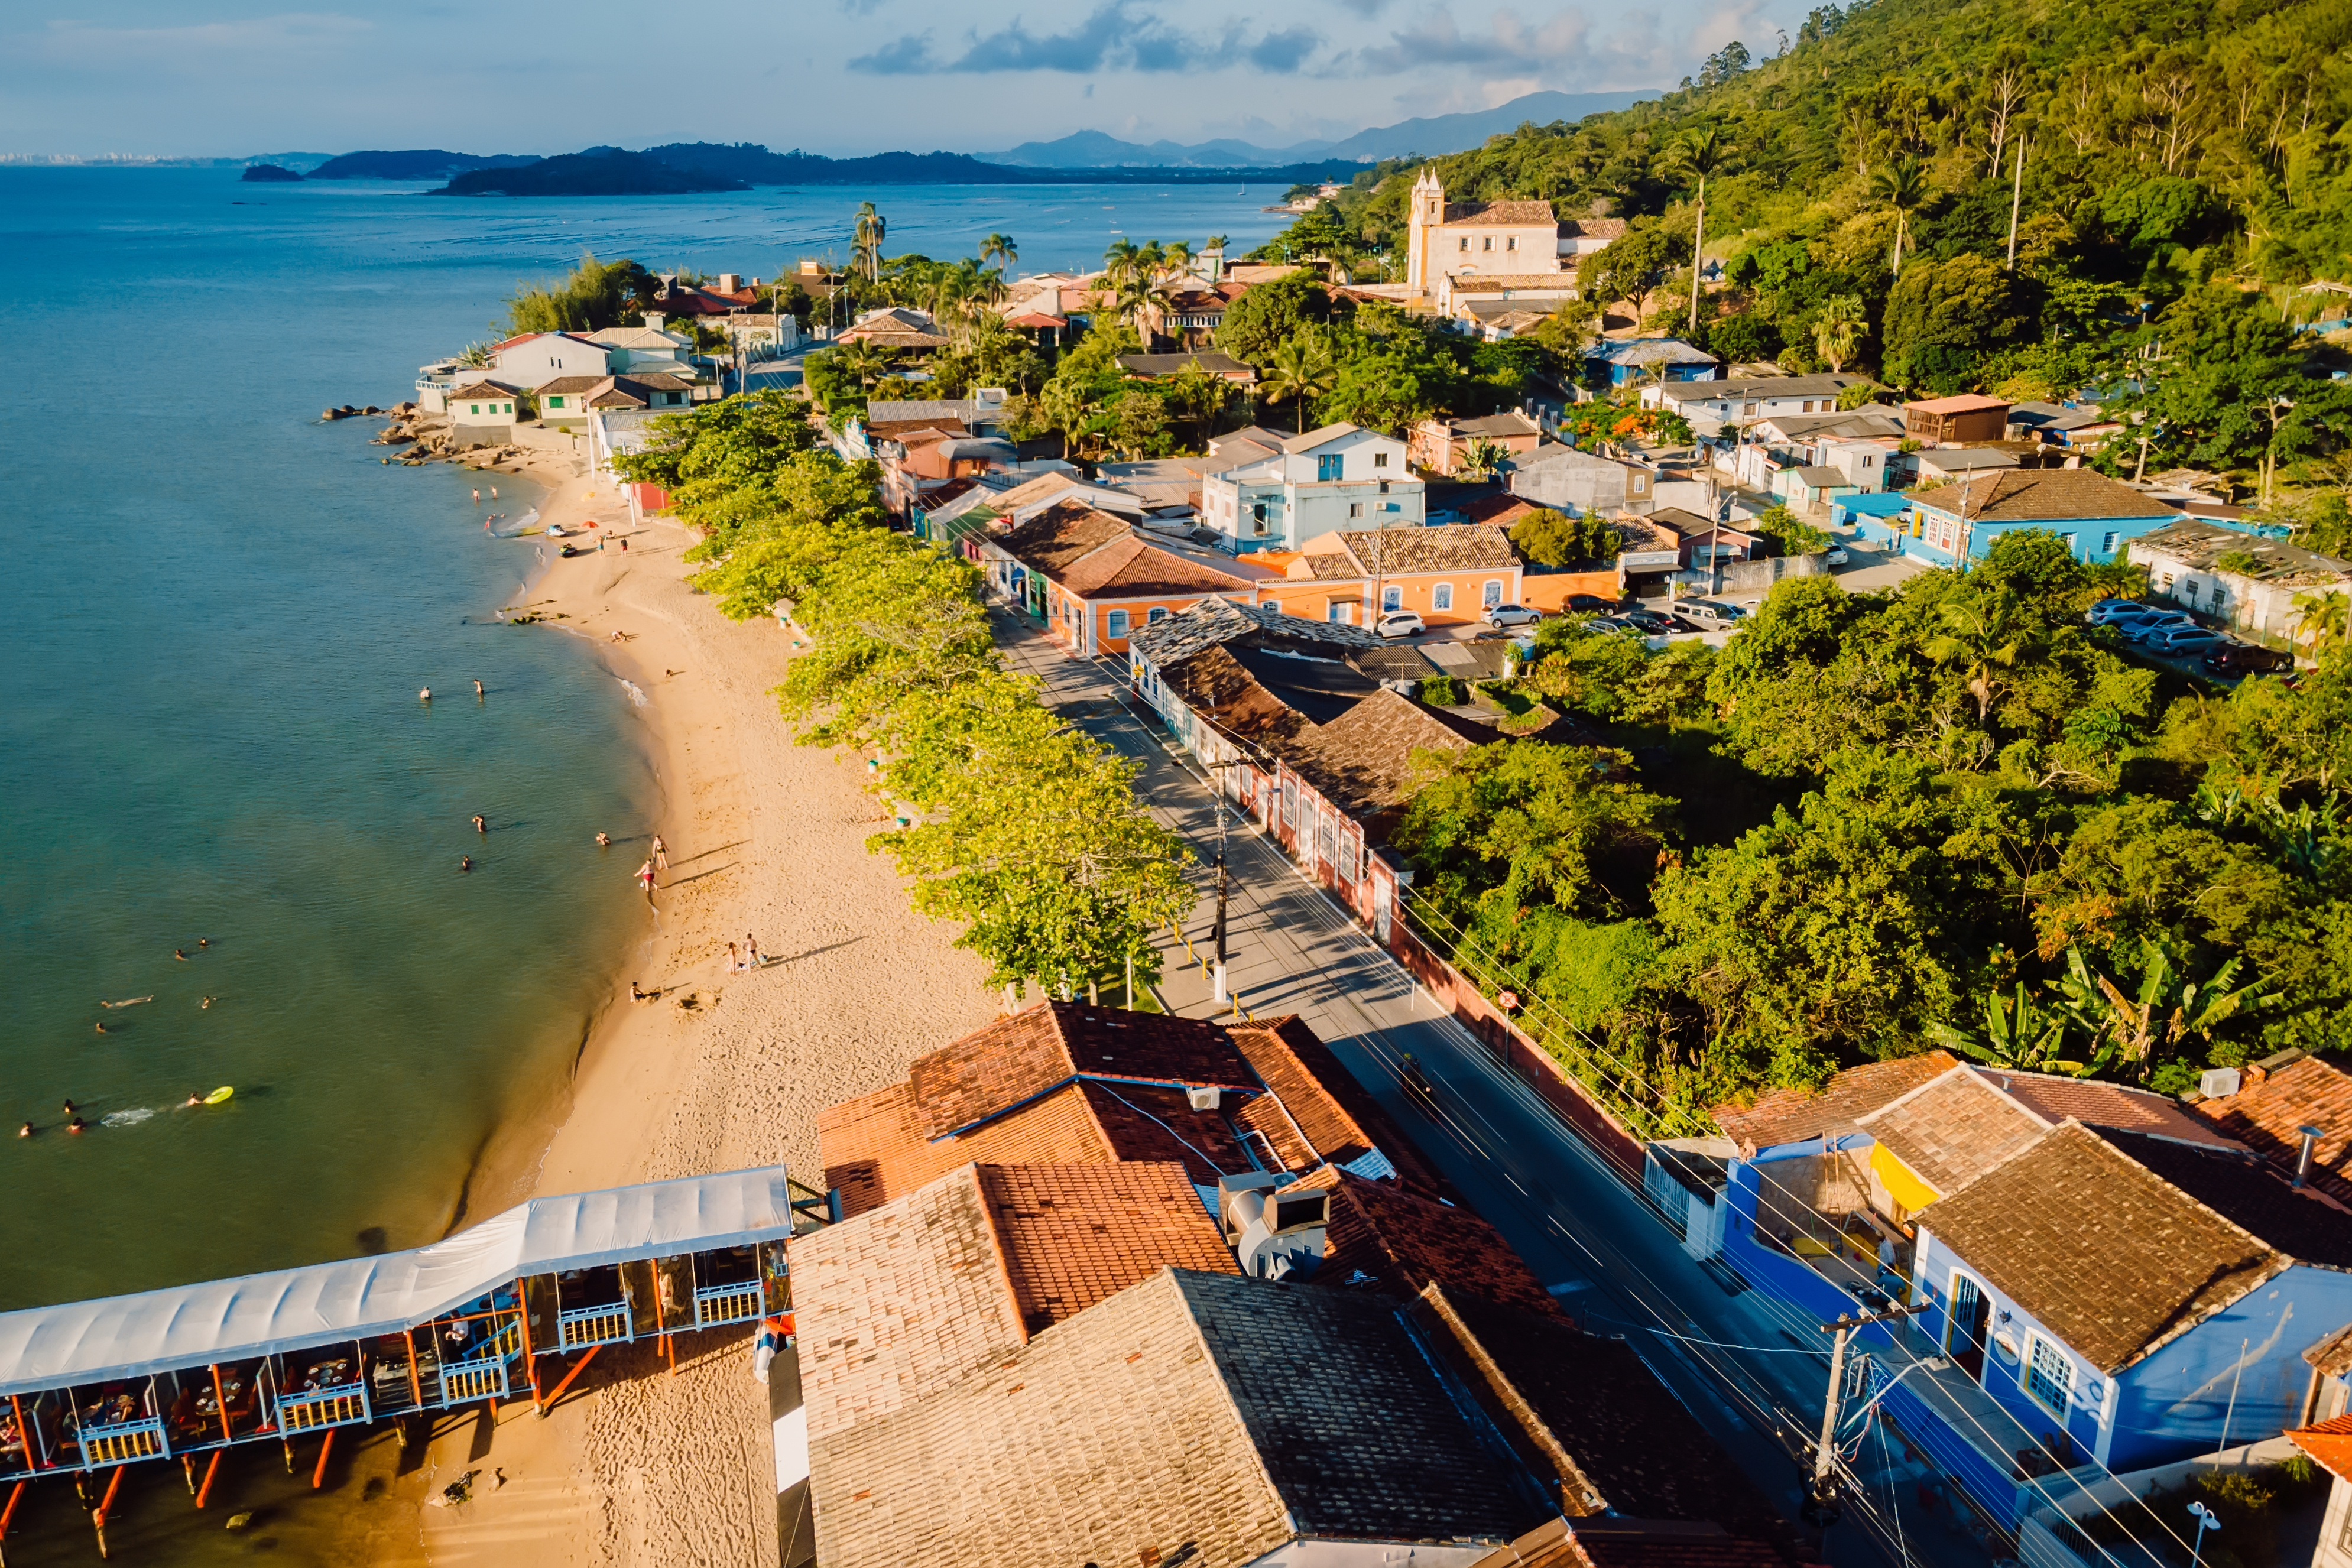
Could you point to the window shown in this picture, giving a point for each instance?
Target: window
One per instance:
(1115, 623)
(1391, 598)
(1155, 615)
(1384, 486)
(1380, 459)
(1329, 836)
(1442, 597)
(1335, 611)
(2108, 547)
(555, 401)
(1355, 509)
(1290, 800)
(1487, 243)
(1327, 467)
(1491, 594)
(2049, 1376)
(474, 408)
(1466, 242)
(2068, 539)
(1511, 243)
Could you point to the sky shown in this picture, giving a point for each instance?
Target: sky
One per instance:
(213, 78)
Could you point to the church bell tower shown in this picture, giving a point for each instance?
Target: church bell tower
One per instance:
(1422, 220)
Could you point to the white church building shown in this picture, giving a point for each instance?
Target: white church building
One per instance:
(1472, 259)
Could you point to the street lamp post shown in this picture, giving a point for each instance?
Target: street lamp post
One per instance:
(2206, 1519)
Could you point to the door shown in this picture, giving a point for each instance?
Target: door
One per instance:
(1964, 1340)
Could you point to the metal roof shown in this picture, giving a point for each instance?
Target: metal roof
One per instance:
(327, 1303)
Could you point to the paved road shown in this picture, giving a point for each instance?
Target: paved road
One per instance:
(1585, 1233)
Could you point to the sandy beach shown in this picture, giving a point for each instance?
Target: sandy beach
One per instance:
(641, 1464)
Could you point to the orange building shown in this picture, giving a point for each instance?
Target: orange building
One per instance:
(1092, 577)
(1445, 574)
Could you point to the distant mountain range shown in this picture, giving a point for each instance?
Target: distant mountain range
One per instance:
(1431, 137)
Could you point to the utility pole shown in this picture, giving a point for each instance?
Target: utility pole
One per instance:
(1820, 1508)
(2016, 192)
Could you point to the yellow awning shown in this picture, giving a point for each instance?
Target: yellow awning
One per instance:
(1907, 1189)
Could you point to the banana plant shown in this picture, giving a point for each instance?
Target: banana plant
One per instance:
(2020, 1034)
(2164, 1011)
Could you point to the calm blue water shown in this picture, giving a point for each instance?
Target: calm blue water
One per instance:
(214, 615)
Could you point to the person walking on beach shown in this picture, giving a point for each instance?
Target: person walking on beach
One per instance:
(661, 854)
(751, 952)
(645, 879)
(731, 963)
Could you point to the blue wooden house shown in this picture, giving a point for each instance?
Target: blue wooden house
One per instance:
(2095, 516)
(2106, 1276)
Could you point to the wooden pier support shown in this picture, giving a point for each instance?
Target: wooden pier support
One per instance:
(211, 1470)
(319, 1475)
(576, 1366)
(98, 1519)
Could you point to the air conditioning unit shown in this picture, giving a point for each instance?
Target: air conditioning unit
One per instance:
(1203, 1099)
(2219, 1082)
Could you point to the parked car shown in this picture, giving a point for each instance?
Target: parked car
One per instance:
(1589, 604)
(1613, 626)
(1648, 621)
(2147, 628)
(1400, 623)
(1509, 615)
(2186, 640)
(1835, 555)
(2245, 659)
(1707, 615)
(2110, 611)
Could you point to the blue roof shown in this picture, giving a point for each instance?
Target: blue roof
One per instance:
(1878, 504)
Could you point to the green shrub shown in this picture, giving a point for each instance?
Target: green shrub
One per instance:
(1441, 691)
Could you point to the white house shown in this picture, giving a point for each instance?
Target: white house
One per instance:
(1340, 476)
(1711, 405)
(2250, 583)
(482, 414)
(1490, 250)
(644, 348)
(537, 358)
(1576, 482)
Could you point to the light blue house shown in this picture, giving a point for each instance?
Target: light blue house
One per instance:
(1625, 361)
(2096, 517)
(2106, 1278)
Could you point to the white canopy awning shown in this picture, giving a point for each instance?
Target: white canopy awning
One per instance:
(295, 1309)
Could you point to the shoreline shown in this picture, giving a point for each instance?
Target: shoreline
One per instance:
(724, 1070)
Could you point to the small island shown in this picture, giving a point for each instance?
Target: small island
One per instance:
(599, 172)
(268, 174)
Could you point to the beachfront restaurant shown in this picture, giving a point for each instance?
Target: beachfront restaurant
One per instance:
(197, 1368)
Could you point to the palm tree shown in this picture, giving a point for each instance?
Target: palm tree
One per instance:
(860, 357)
(1837, 332)
(1699, 153)
(1000, 249)
(1120, 258)
(1301, 367)
(2323, 619)
(1176, 257)
(1902, 185)
(871, 227)
(1986, 634)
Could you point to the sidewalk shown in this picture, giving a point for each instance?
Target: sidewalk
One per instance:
(1584, 1233)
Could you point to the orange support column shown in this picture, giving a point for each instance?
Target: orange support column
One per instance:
(319, 1476)
(211, 1470)
(568, 1376)
(98, 1519)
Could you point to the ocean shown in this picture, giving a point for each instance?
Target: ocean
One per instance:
(219, 612)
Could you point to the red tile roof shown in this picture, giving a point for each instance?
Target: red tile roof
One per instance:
(1380, 1236)
(2100, 1104)
(1020, 1057)
(1953, 1129)
(907, 1299)
(1793, 1115)
(1133, 568)
(1322, 1102)
(2330, 1443)
(2267, 1117)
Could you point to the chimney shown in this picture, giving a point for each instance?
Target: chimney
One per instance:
(2311, 1135)
(729, 282)
(654, 319)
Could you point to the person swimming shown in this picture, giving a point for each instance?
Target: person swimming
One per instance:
(26, 1130)
(604, 840)
(204, 941)
(464, 862)
(75, 1125)
(480, 825)
(181, 954)
(424, 694)
(193, 1099)
(69, 1107)
(206, 1002)
(103, 1028)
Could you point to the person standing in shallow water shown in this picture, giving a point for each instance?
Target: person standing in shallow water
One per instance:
(661, 854)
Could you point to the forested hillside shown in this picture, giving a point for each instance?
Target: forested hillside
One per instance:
(2187, 178)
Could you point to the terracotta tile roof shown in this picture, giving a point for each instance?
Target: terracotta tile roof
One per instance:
(1510, 421)
(2043, 495)
(2332, 1357)
(2251, 1194)
(1057, 537)
(1793, 1115)
(562, 384)
(909, 1298)
(2117, 1105)
(1953, 1129)
(1153, 366)
(1020, 1057)
(1499, 213)
(1562, 1395)
(1216, 685)
(1194, 1416)
(1603, 229)
(2329, 1443)
(1451, 546)
(1330, 568)
(1605, 1542)
(1382, 1238)
(2265, 1116)
(1335, 1113)
(1135, 568)
(2114, 1258)
(1362, 763)
(484, 389)
(1500, 511)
